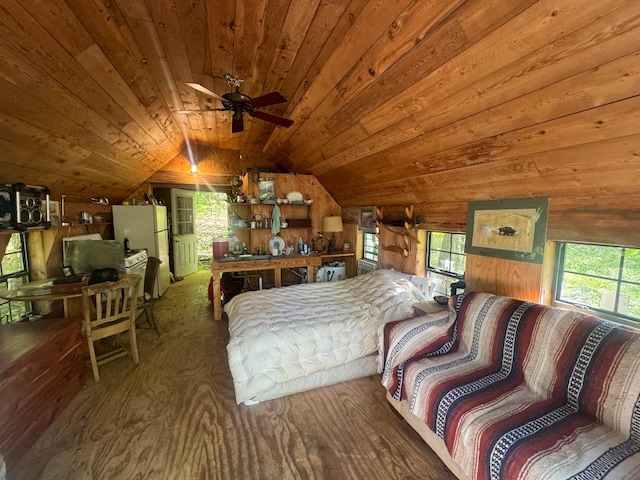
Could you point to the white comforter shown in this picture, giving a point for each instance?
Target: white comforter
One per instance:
(281, 334)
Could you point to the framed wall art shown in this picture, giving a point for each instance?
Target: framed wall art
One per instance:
(54, 213)
(267, 189)
(367, 219)
(514, 229)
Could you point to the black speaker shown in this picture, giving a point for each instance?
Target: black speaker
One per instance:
(7, 208)
(24, 206)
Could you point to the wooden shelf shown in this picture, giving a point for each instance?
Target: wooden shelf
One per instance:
(258, 236)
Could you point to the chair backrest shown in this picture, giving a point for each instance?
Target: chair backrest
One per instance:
(110, 304)
(153, 264)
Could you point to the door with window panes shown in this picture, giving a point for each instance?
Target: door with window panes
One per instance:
(183, 233)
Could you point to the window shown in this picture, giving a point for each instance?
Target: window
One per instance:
(603, 278)
(370, 247)
(14, 268)
(446, 260)
(446, 253)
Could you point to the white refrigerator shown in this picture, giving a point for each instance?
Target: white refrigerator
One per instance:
(146, 227)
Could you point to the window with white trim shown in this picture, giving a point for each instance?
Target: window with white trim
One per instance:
(370, 246)
(602, 278)
(14, 270)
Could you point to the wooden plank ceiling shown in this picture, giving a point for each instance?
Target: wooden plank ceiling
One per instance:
(394, 101)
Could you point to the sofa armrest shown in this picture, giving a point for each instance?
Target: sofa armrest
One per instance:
(417, 336)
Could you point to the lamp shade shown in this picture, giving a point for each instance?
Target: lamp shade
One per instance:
(332, 224)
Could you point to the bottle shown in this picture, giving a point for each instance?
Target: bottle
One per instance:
(300, 244)
(234, 243)
(244, 248)
(126, 245)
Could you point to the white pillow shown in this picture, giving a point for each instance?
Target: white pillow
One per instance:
(425, 285)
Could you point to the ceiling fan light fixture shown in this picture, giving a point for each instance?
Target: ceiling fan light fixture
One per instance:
(239, 104)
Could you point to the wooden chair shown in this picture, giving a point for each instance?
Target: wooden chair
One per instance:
(145, 303)
(110, 309)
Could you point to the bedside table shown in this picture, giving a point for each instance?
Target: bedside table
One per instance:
(429, 307)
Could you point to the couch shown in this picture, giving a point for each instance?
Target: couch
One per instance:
(505, 389)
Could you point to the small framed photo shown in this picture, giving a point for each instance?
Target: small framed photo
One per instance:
(367, 220)
(54, 213)
(267, 188)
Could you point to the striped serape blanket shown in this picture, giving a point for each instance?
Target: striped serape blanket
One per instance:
(518, 390)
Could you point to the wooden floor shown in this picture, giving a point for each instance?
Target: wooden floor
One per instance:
(174, 417)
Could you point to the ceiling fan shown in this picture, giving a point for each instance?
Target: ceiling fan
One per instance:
(240, 103)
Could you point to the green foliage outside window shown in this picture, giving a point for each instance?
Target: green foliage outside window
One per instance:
(446, 252)
(210, 209)
(13, 260)
(370, 246)
(601, 277)
(14, 264)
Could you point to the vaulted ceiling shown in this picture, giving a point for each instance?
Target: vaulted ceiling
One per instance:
(393, 101)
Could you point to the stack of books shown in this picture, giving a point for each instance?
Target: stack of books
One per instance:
(69, 284)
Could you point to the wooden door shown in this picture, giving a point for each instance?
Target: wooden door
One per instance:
(183, 233)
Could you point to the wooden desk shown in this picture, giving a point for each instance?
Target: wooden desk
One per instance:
(40, 291)
(274, 263)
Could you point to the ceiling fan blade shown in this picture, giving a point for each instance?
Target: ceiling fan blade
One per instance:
(283, 122)
(205, 90)
(237, 123)
(267, 99)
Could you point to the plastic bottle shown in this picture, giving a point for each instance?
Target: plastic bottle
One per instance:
(300, 244)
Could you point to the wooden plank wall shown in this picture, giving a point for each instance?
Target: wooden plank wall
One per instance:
(525, 99)
(310, 188)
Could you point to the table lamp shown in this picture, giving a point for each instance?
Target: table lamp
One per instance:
(331, 225)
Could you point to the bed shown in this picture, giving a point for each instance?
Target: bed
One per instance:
(292, 339)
